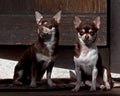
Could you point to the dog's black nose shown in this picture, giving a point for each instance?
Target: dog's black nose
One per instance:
(41, 28)
(86, 37)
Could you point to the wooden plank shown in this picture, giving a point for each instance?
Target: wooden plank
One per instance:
(48, 7)
(71, 6)
(115, 37)
(21, 30)
(17, 6)
(17, 29)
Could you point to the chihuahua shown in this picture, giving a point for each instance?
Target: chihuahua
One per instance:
(87, 60)
(40, 56)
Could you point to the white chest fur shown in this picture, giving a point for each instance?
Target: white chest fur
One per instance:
(41, 57)
(51, 43)
(88, 60)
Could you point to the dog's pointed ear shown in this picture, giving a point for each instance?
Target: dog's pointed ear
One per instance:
(57, 17)
(38, 17)
(97, 22)
(77, 21)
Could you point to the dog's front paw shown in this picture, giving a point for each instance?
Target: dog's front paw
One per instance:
(17, 83)
(93, 88)
(51, 84)
(102, 87)
(76, 89)
(107, 85)
(33, 84)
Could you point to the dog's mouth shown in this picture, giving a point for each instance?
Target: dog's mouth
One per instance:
(46, 33)
(89, 41)
(46, 37)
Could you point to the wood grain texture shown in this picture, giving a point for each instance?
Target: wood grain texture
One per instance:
(21, 30)
(72, 6)
(17, 6)
(51, 7)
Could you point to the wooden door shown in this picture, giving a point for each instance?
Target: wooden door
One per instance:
(18, 22)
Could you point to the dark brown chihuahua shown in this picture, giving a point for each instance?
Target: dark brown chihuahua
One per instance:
(40, 56)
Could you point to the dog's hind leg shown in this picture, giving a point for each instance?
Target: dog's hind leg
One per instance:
(18, 75)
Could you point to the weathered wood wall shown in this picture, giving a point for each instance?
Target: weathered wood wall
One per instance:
(17, 6)
(72, 6)
(19, 28)
(48, 6)
(115, 37)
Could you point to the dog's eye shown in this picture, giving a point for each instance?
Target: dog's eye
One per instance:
(45, 23)
(91, 33)
(39, 23)
(83, 30)
(81, 33)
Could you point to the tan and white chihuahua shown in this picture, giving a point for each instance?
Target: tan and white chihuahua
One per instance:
(40, 56)
(88, 63)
